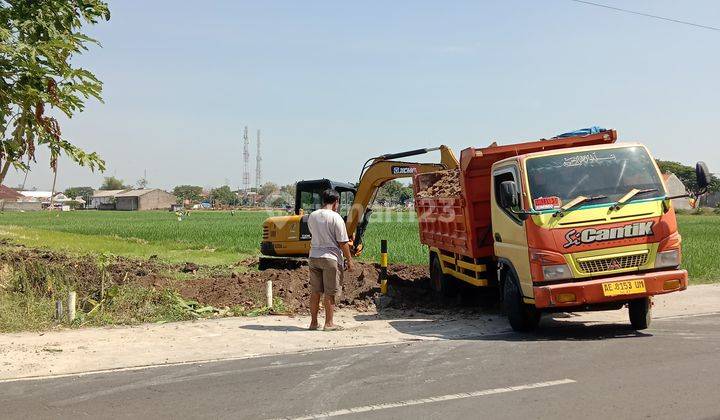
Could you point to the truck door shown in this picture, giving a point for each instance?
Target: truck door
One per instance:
(509, 229)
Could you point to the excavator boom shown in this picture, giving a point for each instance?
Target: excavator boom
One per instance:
(288, 236)
(381, 170)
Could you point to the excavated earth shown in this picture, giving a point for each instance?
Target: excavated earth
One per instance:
(447, 184)
(240, 285)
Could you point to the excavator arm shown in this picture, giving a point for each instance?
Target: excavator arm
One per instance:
(380, 170)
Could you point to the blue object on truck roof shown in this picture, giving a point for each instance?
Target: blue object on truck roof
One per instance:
(582, 132)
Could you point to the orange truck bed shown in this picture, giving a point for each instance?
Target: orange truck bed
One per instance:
(461, 224)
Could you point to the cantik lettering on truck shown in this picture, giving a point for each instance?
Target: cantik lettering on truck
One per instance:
(590, 235)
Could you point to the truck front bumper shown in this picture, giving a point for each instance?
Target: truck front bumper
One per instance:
(591, 291)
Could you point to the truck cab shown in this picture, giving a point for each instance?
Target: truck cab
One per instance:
(586, 228)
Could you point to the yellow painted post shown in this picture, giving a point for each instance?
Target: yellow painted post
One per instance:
(383, 266)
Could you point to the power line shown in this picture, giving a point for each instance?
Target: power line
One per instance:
(617, 9)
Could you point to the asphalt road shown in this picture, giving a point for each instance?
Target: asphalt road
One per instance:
(608, 371)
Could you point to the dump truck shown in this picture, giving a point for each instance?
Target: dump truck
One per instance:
(573, 223)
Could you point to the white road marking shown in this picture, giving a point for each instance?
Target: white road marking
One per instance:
(449, 397)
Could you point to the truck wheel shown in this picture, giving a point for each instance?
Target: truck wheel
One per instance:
(522, 317)
(439, 282)
(640, 313)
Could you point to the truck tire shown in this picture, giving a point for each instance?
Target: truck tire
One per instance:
(640, 313)
(441, 283)
(522, 317)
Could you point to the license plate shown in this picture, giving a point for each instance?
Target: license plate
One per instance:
(618, 288)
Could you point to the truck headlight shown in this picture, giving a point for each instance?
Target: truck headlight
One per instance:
(557, 272)
(667, 259)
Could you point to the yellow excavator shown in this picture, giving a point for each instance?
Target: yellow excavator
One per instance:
(288, 237)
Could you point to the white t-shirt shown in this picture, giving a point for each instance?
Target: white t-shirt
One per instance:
(328, 230)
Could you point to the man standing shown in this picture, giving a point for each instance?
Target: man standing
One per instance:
(329, 257)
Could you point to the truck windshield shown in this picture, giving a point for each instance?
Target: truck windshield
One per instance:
(612, 173)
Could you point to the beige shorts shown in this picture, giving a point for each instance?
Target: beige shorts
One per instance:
(326, 276)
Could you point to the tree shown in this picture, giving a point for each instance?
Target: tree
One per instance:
(686, 174)
(142, 183)
(405, 195)
(38, 43)
(268, 188)
(112, 183)
(224, 195)
(280, 201)
(289, 190)
(390, 192)
(85, 192)
(188, 192)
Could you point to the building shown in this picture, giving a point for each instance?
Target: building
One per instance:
(104, 199)
(676, 187)
(8, 194)
(11, 200)
(150, 199)
(41, 196)
(711, 200)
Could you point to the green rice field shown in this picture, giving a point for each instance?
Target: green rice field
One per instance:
(225, 238)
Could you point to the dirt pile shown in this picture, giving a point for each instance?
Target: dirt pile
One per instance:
(445, 184)
(83, 272)
(360, 287)
(237, 286)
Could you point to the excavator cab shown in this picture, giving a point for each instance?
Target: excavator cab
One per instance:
(289, 236)
(308, 199)
(308, 193)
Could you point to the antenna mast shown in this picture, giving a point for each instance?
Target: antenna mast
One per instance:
(246, 162)
(258, 165)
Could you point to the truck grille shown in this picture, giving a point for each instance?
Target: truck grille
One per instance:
(613, 263)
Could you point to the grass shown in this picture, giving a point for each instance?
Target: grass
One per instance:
(400, 229)
(208, 238)
(701, 247)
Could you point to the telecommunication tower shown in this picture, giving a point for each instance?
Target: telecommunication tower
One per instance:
(246, 162)
(258, 164)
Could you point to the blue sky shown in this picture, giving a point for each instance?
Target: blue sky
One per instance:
(333, 83)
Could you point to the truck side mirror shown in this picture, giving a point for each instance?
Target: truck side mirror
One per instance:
(703, 175)
(508, 195)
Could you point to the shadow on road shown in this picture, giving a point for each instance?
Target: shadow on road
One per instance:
(494, 327)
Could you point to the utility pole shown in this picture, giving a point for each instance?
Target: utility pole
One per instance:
(258, 165)
(246, 162)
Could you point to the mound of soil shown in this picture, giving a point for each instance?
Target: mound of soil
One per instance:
(407, 284)
(83, 271)
(360, 286)
(446, 184)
